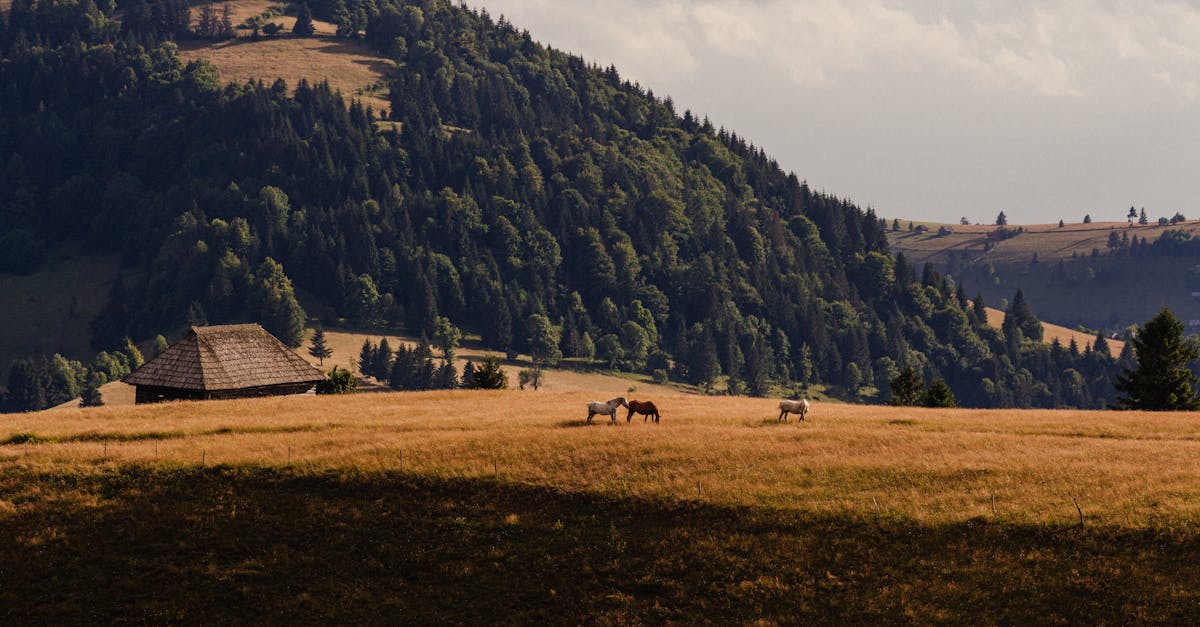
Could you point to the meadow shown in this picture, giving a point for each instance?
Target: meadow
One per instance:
(1049, 242)
(467, 506)
(349, 66)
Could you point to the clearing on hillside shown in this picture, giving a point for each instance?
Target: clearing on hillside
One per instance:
(1047, 240)
(348, 65)
(48, 311)
(1051, 332)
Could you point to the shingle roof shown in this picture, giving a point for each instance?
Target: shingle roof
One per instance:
(227, 357)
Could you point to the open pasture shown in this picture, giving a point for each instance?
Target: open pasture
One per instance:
(929, 466)
(1047, 241)
(473, 507)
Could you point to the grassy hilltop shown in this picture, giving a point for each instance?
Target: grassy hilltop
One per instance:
(468, 507)
(1061, 278)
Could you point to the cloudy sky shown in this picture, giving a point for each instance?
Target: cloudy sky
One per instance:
(934, 109)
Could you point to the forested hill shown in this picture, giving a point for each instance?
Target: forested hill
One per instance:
(510, 188)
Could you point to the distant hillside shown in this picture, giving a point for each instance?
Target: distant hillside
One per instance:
(1074, 275)
(1062, 334)
(1047, 241)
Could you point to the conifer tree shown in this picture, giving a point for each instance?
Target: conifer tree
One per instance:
(1162, 380)
(304, 23)
(318, 347)
(1101, 345)
(366, 357)
(91, 396)
(907, 387)
(160, 345)
(938, 394)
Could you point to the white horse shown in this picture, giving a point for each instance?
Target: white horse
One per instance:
(793, 407)
(606, 409)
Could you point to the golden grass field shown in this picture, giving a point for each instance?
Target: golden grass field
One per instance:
(1124, 469)
(348, 65)
(1047, 240)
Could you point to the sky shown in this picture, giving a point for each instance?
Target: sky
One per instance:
(928, 110)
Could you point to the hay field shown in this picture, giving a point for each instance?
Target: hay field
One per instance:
(928, 466)
(348, 65)
(1051, 332)
(1047, 240)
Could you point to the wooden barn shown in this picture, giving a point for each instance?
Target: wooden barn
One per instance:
(228, 361)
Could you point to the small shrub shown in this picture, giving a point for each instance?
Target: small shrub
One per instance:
(488, 376)
(23, 438)
(338, 382)
(659, 376)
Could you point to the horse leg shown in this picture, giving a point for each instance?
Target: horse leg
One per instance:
(782, 415)
(656, 417)
(629, 417)
(590, 414)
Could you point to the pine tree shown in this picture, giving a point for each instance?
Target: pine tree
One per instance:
(907, 387)
(160, 345)
(318, 347)
(488, 376)
(341, 18)
(1101, 345)
(938, 394)
(1020, 316)
(381, 360)
(1162, 380)
(1143, 218)
(226, 25)
(1087, 219)
(304, 23)
(1001, 220)
(91, 396)
(366, 357)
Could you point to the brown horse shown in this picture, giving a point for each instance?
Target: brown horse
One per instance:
(646, 408)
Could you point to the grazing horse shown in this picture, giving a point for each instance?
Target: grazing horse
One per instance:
(793, 407)
(645, 408)
(606, 409)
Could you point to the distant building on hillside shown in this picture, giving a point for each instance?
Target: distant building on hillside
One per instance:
(921, 228)
(219, 362)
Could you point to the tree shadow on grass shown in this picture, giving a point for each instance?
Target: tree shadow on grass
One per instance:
(246, 544)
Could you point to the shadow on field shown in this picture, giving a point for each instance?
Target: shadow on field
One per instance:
(235, 545)
(575, 424)
(775, 422)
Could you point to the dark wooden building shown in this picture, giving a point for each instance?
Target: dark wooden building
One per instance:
(228, 361)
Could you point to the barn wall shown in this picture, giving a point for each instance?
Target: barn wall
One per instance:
(152, 394)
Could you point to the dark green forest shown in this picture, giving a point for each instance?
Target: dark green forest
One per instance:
(509, 184)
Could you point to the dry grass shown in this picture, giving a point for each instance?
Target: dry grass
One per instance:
(928, 466)
(1051, 332)
(348, 65)
(1047, 240)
